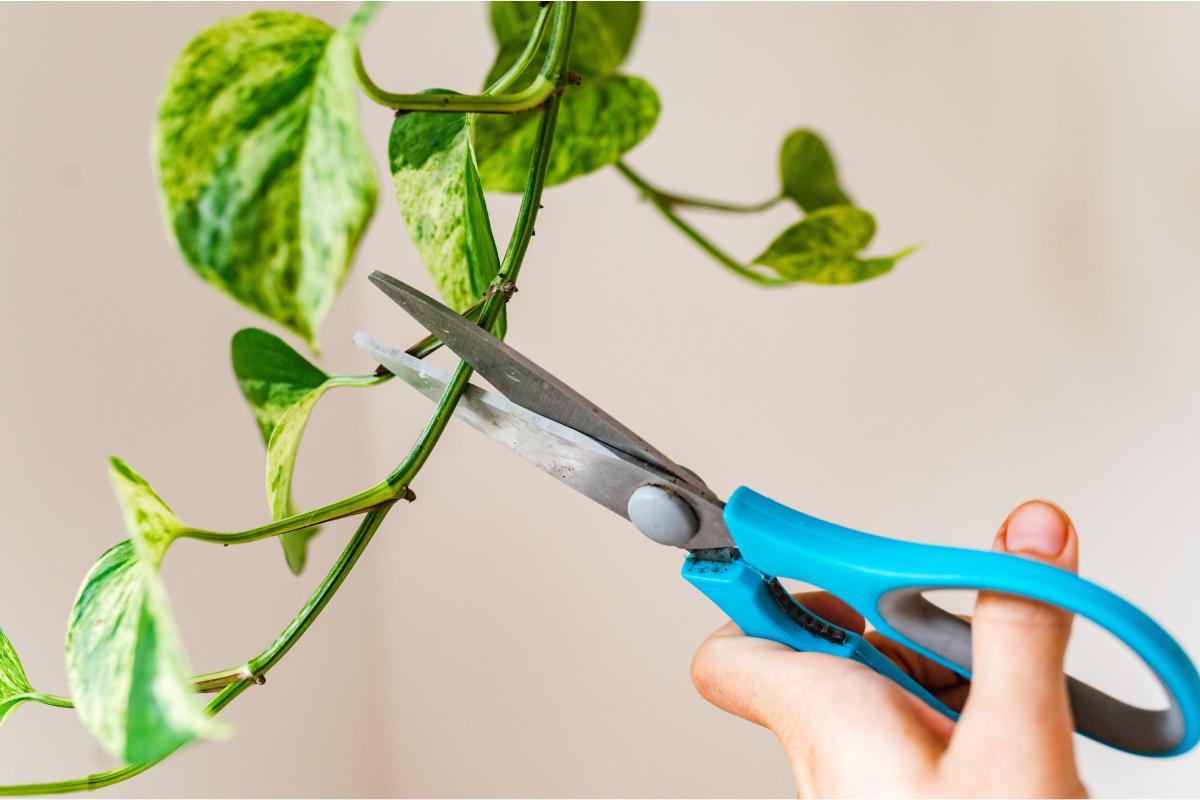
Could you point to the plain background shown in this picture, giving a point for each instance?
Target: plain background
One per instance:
(504, 636)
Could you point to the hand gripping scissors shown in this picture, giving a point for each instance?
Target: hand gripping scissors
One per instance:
(736, 549)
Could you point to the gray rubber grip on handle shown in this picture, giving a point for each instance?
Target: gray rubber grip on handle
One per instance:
(1098, 715)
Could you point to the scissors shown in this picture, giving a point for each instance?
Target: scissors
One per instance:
(738, 549)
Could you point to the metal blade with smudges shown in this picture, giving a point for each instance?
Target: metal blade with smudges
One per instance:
(590, 468)
(518, 378)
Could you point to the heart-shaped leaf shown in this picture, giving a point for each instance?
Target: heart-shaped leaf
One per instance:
(823, 248)
(266, 181)
(807, 172)
(437, 184)
(598, 121)
(282, 388)
(126, 664)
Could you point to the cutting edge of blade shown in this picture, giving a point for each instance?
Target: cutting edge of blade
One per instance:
(500, 363)
(554, 448)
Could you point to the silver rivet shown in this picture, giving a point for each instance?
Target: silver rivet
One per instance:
(662, 515)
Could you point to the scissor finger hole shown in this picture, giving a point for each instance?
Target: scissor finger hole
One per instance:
(1144, 727)
(1094, 655)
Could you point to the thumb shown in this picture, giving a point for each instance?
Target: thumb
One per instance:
(1017, 710)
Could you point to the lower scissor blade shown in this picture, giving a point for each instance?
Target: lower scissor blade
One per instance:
(572, 457)
(606, 475)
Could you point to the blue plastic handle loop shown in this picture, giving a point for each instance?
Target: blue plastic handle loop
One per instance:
(883, 580)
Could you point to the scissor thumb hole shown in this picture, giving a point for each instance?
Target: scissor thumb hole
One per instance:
(1018, 646)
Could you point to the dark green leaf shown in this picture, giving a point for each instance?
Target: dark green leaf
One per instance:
(272, 376)
(823, 247)
(603, 36)
(437, 184)
(282, 388)
(808, 173)
(266, 180)
(126, 665)
(598, 123)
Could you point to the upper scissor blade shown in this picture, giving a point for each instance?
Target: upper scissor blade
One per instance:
(605, 475)
(518, 378)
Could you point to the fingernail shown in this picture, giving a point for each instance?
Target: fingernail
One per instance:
(1036, 527)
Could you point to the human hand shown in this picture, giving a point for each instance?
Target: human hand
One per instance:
(848, 731)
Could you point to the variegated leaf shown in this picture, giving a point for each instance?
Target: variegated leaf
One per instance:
(126, 665)
(266, 181)
(598, 122)
(281, 388)
(437, 185)
(823, 248)
(150, 524)
(14, 686)
(604, 33)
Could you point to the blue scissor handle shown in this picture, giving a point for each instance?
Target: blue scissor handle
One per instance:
(884, 578)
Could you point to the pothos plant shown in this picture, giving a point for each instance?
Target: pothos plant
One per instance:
(267, 187)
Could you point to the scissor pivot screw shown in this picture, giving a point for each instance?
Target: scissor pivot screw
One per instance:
(662, 515)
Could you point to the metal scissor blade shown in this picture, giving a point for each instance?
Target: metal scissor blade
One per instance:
(518, 378)
(573, 457)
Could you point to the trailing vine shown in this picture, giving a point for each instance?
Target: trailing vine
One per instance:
(267, 188)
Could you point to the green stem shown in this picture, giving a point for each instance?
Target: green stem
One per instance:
(531, 197)
(403, 474)
(719, 255)
(378, 500)
(510, 267)
(529, 98)
(109, 777)
(676, 200)
(347, 507)
(262, 663)
(535, 40)
(58, 701)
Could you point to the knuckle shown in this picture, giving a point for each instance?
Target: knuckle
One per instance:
(1020, 613)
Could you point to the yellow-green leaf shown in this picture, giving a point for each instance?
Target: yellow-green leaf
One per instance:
(267, 184)
(807, 172)
(437, 185)
(150, 524)
(14, 686)
(823, 248)
(126, 665)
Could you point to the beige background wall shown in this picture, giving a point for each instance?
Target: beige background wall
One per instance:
(504, 636)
